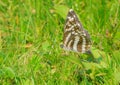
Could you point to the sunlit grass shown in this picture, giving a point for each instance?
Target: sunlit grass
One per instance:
(30, 37)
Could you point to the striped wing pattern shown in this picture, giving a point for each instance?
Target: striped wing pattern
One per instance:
(75, 37)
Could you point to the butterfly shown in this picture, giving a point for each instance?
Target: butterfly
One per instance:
(75, 37)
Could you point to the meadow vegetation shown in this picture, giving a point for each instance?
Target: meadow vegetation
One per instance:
(31, 32)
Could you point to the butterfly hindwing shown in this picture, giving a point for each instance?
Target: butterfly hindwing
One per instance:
(75, 38)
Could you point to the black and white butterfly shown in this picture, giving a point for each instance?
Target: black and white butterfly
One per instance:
(75, 37)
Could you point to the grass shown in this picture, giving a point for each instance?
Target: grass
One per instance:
(31, 33)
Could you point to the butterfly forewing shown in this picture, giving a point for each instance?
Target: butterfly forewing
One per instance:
(75, 38)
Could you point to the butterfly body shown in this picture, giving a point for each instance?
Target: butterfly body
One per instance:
(75, 37)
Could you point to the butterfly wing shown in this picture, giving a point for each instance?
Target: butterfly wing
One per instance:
(75, 38)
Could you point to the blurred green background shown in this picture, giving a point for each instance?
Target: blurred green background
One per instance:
(30, 35)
